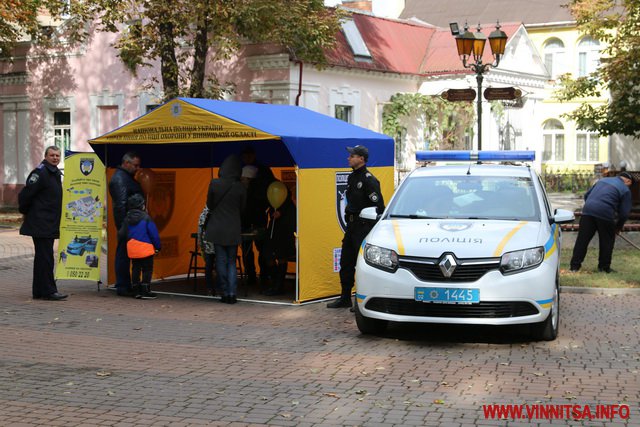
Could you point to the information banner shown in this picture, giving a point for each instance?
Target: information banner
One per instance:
(82, 217)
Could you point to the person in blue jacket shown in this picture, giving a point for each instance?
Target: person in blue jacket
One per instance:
(606, 208)
(143, 242)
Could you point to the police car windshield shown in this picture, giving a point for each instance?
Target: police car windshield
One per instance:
(467, 197)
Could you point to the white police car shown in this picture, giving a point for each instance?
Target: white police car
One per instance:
(470, 243)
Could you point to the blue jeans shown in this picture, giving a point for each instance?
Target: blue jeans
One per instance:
(226, 268)
(122, 267)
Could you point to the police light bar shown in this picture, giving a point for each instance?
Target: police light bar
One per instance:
(485, 156)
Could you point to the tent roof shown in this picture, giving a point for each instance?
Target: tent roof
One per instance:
(192, 132)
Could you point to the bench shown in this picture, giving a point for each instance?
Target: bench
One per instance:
(576, 227)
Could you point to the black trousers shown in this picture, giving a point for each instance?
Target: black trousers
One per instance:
(142, 266)
(248, 259)
(43, 282)
(354, 235)
(589, 225)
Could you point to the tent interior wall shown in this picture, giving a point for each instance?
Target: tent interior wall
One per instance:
(308, 159)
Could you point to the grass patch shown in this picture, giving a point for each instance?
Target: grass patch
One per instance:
(625, 263)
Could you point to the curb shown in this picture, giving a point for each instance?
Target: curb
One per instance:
(600, 291)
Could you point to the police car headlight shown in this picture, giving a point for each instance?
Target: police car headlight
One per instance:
(521, 260)
(382, 258)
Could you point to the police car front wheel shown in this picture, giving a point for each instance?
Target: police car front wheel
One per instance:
(548, 329)
(367, 325)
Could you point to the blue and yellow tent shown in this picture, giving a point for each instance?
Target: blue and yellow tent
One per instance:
(181, 144)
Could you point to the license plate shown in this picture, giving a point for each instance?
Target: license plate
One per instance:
(448, 295)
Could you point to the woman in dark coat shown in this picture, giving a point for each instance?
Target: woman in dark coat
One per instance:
(226, 200)
(280, 245)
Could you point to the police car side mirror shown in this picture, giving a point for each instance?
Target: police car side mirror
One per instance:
(562, 216)
(369, 213)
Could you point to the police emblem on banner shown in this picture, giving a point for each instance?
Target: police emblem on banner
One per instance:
(86, 166)
(161, 197)
(341, 197)
(176, 109)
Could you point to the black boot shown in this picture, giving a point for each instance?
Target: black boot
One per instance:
(278, 273)
(342, 302)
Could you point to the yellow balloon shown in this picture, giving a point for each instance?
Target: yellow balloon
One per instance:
(277, 194)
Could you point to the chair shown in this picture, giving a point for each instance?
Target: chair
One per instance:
(193, 262)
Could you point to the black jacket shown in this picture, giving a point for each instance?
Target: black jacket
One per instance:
(121, 187)
(41, 202)
(226, 200)
(363, 190)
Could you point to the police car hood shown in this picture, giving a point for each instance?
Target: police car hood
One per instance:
(466, 239)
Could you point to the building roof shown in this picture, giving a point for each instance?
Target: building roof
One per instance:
(395, 46)
(406, 47)
(529, 12)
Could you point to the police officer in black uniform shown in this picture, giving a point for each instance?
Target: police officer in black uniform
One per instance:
(41, 203)
(363, 190)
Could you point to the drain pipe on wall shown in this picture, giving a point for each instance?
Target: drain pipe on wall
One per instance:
(300, 63)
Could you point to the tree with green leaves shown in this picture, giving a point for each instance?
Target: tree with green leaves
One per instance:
(444, 123)
(43, 23)
(616, 24)
(182, 35)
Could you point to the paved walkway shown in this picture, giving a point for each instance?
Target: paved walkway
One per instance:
(100, 360)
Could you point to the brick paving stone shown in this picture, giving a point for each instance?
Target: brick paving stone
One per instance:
(180, 361)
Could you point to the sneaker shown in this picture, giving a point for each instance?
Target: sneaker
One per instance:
(340, 303)
(145, 293)
(606, 270)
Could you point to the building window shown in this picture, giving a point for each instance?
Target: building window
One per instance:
(344, 112)
(553, 137)
(151, 107)
(554, 57)
(587, 147)
(62, 130)
(355, 40)
(588, 56)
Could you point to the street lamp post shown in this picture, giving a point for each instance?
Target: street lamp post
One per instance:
(468, 44)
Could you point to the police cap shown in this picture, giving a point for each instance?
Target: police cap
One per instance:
(359, 150)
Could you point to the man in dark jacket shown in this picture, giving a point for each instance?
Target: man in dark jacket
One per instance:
(606, 208)
(41, 203)
(121, 187)
(363, 190)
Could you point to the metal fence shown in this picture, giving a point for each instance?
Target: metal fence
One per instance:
(568, 182)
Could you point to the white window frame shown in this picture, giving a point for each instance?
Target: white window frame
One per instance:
(555, 136)
(347, 109)
(591, 147)
(588, 56)
(554, 53)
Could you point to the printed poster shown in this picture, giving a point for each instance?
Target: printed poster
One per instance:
(82, 217)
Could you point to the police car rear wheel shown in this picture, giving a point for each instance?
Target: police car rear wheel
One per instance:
(548, 330)
(367, 325)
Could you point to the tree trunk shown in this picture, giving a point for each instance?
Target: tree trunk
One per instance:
(168, 62)
(199, 60)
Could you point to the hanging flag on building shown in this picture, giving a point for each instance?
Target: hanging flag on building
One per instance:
(82, 217)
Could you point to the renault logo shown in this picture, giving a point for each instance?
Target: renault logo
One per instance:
(447, 265)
